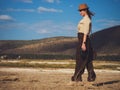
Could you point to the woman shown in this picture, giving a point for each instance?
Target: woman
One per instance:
(84, 52)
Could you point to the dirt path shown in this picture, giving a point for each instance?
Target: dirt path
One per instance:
(55, 79)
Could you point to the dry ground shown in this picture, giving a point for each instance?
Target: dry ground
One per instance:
(55, 79)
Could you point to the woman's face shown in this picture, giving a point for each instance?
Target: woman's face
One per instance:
(82, 12)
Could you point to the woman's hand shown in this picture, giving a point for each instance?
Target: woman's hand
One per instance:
(83, 47)
(84, 42)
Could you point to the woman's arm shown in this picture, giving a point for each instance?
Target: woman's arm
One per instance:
(84, 42)
(86, 29)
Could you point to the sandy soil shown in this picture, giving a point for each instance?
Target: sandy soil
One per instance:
(55, 79)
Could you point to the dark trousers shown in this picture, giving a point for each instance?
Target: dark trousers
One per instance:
(84, 62)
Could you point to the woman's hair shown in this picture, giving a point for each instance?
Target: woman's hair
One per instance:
(90, 14)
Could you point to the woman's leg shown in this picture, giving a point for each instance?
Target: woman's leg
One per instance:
(80, 62)
(91, 73)
(89, 65)
(79, 68)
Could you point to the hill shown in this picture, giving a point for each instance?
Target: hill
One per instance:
(106, 42)
(55, 45)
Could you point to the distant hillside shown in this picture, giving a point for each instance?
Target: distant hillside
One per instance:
(106, 42)
(55, 45)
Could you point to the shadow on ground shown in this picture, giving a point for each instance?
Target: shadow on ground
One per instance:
(106, 83)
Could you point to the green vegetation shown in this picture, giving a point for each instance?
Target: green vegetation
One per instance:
(57, 57)
(112, 65)
(36, 64)
(38, 56)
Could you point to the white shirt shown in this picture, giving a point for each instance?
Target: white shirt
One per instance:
(84, 26)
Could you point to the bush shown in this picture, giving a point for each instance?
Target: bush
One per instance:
(37, 56)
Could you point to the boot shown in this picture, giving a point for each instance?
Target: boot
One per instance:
(91, 77)
(76, 79)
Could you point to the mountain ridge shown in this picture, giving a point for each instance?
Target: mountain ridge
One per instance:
(105, 42)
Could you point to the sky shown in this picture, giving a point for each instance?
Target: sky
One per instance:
(38, 19)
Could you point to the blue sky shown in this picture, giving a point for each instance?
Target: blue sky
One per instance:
(37, 19)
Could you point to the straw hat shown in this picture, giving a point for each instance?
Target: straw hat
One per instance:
(83, 6)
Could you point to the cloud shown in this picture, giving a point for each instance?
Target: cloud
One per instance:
(44, 28)
(71, 6)
(51, 27)
(19, 10)
(39, 9)
(13, 26)
(25, 1)
(109, 22)
(105, 23)
(43, 9)
(43, 31)
(6, 18)
(52, 1)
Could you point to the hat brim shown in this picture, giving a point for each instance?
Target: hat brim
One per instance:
(82, 9)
